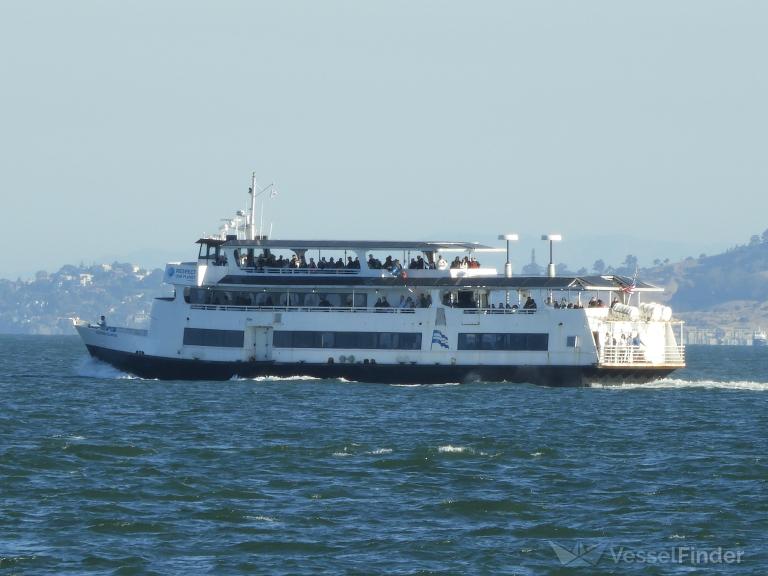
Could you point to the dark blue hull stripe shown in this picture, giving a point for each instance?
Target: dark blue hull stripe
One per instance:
(183, 369)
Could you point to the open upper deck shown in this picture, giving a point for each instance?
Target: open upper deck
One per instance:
(252, 262)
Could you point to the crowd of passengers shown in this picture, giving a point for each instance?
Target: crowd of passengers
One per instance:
(269, 260)
(593, 303)
(423, 301)
(562, 303)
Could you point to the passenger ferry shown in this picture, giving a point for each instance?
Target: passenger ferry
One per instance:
(252, 306)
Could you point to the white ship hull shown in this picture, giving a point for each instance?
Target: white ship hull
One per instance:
(574, 353)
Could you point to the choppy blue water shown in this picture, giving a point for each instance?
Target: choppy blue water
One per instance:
(101, 473)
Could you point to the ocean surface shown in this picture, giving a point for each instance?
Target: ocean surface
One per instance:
(103, 473)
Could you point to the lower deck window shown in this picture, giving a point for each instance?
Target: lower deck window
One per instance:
(218, 338)
(501, 341)
(350, 340)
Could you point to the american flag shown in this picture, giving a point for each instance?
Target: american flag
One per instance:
(630, 288)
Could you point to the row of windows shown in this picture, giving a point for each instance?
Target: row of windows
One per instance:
(349, 340)
(366, 340)
(219, 338)
(494, 341)
(274, 298)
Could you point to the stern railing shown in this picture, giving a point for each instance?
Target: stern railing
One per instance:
(618, 355)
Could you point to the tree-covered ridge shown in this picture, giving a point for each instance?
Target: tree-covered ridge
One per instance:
(46, 304)
(739, 274)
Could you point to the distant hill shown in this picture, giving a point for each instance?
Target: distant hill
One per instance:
(723, 291)
(699, 283)
(46, 305)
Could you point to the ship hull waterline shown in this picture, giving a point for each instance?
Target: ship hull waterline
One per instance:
(162, 368)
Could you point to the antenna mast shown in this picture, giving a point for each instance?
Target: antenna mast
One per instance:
(252, 230)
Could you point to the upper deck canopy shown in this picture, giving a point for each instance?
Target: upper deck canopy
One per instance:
(356, 245)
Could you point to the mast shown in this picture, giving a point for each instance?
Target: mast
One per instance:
(252, 231)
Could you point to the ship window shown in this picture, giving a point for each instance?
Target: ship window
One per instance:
(409, 341)
(218, 338)
(500, 341)
(296, 299)
(302, 339)
(326, 340)
(282, 339)
(199, 296)
(347, 340)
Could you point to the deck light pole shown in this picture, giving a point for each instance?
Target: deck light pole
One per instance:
(509, 238)
(552, 238)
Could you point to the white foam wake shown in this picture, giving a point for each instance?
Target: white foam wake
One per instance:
(673, 383)
(454, 449)
(440, 385)
(90, 367)
(273, 378)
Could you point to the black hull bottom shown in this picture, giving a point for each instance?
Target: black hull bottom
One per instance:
(178, 369)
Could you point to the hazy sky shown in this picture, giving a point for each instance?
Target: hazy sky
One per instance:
(130, 128)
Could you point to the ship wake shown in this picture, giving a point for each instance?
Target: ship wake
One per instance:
(90, 367)
(677, 384)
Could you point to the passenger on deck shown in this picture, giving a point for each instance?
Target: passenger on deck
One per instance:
(401, 304)
(530, 304)
(442, 264)
(385, 302)
(312, 263)
(592, 302)
(324, 301)
(378, 303)
(373, 263)
(409, 303)
(456, 263)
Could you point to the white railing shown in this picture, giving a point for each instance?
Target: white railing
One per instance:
(500, 311)
(301, 271)
(357, 309)
(635, 355)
